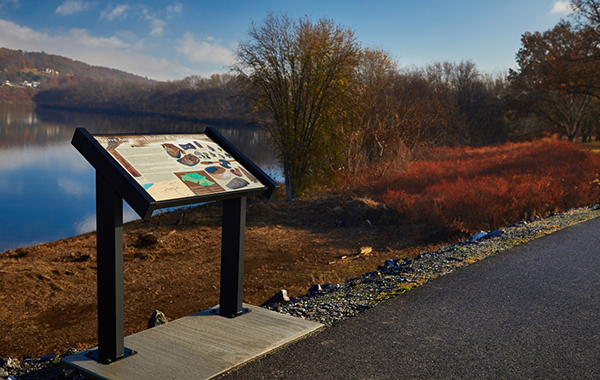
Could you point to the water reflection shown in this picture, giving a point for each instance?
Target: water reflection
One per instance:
(47, 188)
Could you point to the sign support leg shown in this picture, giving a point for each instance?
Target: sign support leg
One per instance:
(109, 226)
(232, 257)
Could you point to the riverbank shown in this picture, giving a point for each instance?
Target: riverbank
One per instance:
(335, 302)
(172, 263)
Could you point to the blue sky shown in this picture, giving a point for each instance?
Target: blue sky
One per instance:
(169, 40)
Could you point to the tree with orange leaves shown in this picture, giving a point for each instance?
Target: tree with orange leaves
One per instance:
(559, 76)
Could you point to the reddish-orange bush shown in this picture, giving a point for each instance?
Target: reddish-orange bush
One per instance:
(485, 188)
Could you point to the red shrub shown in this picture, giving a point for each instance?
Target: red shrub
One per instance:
(488, 187)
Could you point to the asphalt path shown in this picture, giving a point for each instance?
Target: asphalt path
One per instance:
(532, 312)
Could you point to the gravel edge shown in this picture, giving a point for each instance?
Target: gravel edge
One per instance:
(332, 303)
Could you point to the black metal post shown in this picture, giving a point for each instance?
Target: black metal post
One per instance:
(232, 257)
(109, 226)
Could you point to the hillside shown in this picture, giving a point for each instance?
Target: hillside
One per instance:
(17, 66)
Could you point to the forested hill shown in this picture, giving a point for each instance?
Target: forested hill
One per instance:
(18, 66)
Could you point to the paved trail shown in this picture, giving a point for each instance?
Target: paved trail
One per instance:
(532, 312)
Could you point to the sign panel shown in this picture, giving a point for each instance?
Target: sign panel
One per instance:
(175, 166)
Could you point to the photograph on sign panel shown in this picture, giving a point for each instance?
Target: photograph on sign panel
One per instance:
(178, 166)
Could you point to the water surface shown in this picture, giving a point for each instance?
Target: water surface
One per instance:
(47, 189)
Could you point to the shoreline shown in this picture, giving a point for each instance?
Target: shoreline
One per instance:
(216, 121)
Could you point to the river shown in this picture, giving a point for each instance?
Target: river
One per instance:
(47, 189)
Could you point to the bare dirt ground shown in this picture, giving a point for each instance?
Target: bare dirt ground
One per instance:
(172, 263)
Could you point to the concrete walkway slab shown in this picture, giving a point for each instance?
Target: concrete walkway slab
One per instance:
(199, 346)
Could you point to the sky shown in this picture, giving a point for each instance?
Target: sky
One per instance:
(169, 40)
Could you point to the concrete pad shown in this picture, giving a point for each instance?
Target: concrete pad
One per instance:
(199, 346)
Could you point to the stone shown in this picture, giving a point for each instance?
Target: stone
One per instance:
(70, 373)
(9, 363)
(493, 234)
(315, 289)
(158, 318)
(280, 296)
(389, 263)
(365, 250)
(478, 236)
(48, 357)
(146, 240)
(517, 224)
(69, 352)
(3, 373)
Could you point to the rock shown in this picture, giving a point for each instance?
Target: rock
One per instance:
(28, 361)
(146, 240)
(280, 296)
(478, 236)
(79, 257)
(158, 318)
(315, 289)
(70, 373)
(365, 250)
(48, 357)
(494, 233)
(339, 223)
(3, 373)
(517, 224)
(9, 363)
(389, 263)
(69, 352)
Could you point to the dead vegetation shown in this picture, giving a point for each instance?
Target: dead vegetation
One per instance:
(172, 263)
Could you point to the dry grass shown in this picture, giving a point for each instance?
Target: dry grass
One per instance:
(468, 189)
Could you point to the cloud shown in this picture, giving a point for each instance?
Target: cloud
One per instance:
(561, 7)
(175, 8)
(204, 51)
(88, 222)
(111, 13)
(80, 45)
(15, 3)
(73, 187)
(158, 27)
(70, 7)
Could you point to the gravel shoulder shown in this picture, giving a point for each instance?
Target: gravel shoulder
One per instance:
(331, 303)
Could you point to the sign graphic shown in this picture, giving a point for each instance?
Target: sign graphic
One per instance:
(178, 166)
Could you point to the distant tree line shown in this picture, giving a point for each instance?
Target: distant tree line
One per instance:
(215, 98)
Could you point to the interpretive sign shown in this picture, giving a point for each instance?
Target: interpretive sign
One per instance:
(154, 171)
(168, 170)
(178, 166)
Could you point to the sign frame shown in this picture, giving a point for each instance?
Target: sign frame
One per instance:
(138, 198)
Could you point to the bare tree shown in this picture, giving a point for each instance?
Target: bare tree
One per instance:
(297, 72)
